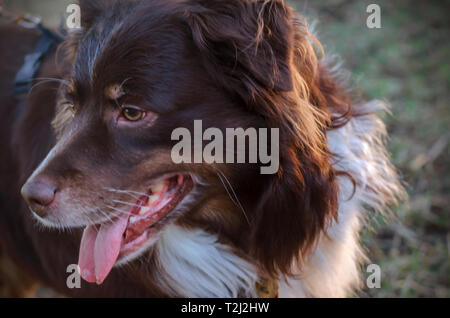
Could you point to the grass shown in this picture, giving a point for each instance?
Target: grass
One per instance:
(406, 62)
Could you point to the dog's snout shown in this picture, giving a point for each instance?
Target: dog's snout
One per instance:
(39, 196)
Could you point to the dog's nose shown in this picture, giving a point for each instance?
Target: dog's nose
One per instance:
(39, 195)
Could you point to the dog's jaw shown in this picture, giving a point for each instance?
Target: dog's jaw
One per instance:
(131, 232)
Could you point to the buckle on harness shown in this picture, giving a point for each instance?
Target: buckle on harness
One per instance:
(25, 20)
(29, 21)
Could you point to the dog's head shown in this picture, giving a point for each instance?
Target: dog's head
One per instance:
(142, 69)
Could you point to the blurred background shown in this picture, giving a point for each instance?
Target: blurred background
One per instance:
(405, 62)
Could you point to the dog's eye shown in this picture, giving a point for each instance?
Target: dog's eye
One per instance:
(132, 114)
(72, 108)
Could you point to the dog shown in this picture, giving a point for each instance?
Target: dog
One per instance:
(90, 152)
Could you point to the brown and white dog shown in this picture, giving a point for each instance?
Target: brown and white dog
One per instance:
(92, 150)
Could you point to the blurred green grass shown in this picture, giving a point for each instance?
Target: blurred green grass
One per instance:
(406, 62)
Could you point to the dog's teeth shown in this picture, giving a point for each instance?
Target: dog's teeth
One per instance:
(141, 210)
(158, 187)
(152, 199)
(144, 211)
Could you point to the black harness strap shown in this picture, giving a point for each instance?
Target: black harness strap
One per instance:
(25, 77)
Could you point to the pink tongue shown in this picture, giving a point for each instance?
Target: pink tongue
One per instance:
(99, 249)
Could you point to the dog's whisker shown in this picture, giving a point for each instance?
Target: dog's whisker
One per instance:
(128, 203)
(106, 215)
(89, 218)
(129, 192)
(226, 188)
(237, 202)
(88, 215)
(119, 210)
(53, 79)
(43, 80)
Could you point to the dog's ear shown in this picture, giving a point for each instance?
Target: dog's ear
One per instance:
(244, 42)
(259, 50)
(297, 205)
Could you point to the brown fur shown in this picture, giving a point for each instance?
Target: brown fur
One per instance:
(233, 63)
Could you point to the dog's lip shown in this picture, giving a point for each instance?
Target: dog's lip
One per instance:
(141, 229)
(114, 208)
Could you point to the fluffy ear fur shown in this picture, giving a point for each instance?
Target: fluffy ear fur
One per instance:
(259, 51)
(299, 203)
(247, 41)
(91, 10)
